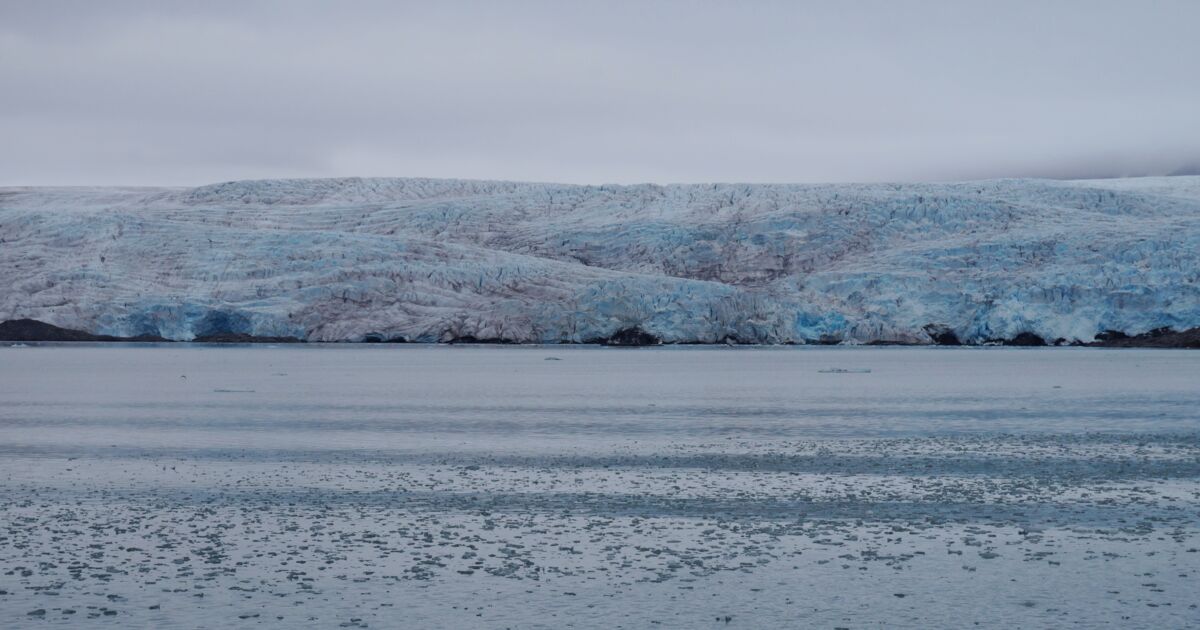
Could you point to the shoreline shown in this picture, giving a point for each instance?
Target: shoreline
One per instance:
(34, 331)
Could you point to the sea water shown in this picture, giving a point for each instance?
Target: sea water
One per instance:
(181, 486)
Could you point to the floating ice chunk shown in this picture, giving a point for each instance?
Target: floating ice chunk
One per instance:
(845, 371)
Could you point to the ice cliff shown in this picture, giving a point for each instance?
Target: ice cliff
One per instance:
(430, 260)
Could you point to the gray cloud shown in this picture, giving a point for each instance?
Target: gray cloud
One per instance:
(190, 93)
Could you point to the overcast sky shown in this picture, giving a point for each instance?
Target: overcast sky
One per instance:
(187, 93)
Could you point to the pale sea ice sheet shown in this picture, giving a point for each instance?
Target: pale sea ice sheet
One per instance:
(367, 486)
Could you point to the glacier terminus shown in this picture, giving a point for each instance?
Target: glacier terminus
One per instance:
(426, 260)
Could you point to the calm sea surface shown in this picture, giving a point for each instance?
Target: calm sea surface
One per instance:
(415, 486)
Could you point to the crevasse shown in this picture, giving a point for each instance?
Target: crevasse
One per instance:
(434, 260)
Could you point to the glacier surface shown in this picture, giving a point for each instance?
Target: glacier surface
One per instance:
(438, 260)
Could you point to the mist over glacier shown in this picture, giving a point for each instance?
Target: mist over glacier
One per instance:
(441, 260)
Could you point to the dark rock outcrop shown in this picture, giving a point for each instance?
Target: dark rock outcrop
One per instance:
(1157, 338)
(629, 337)
(34, 330)
(942, 335)
(1025, 339)
(477, 340)
(1111, 335)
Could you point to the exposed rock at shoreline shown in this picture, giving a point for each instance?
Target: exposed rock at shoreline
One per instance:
(631, 337)
(1025, 339)
(942, 335)
(381, 338)
(1158, 338)
(33, 330)
(472, 339)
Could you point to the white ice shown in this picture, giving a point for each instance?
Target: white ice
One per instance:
(431, 260)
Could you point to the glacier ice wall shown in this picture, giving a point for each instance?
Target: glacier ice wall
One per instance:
(430, 260)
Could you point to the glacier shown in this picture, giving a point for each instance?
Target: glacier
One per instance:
(429, 260)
